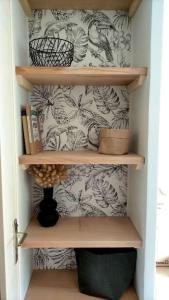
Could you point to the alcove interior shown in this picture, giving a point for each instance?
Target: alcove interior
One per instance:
(73, 115)
(126, 185)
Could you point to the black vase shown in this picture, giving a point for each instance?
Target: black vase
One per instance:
(48, 215)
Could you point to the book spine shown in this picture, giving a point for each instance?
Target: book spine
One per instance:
(26, 135)
(35, 126)
(29, 129)
(33, 130)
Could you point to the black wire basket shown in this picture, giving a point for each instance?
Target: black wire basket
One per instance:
(51, 52)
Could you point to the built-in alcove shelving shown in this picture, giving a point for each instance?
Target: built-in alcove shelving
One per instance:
(81, 232)
(62, 285)
(71, 232)
(84, 232)
(129, 5)
(130, 77)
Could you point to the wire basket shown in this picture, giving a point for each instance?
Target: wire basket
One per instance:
(51, 52)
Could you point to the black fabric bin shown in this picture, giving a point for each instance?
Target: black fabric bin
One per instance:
(105, 273)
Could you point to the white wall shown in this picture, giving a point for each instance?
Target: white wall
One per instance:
(147, 26)
(15, 202)
(163, 184)
(2, 262)
(20, 57)
(8, 163)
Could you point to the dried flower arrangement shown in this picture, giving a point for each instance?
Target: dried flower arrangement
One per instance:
(47, 176)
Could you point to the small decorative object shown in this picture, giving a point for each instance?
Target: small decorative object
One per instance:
(114, 141)
(48, 215)
(46, 176)
(51, 52)
(105, 273)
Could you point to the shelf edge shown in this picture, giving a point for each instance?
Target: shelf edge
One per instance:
(52, 158)
(133, 240)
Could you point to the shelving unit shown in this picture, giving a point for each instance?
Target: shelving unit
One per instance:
(62, 285)
(80, 157)
(131, 77)
(128, 5)
(82, 232)
(143, 43)
(72, 232)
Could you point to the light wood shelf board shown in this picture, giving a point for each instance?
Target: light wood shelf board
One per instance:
(128, 5)
(80, 157)
(62, 285)
(80, 76)
(73, 232)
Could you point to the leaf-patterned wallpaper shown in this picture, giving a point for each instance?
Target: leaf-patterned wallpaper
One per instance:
(100, 38)
(71, 117)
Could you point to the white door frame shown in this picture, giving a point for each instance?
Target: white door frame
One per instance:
(8, 192)
(2, 257)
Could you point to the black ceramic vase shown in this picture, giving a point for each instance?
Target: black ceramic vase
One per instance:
(48, 215)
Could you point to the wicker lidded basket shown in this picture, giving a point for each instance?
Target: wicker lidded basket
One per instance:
(114, 141)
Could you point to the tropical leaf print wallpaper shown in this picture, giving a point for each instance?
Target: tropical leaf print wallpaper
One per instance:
(100, 38)
(71, 117)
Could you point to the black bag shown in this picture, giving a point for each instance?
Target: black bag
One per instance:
(105, 273)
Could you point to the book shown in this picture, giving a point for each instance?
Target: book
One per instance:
(31, 130)
(25, 133)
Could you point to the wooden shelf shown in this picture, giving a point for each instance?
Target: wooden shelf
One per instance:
(83, 232)
(80, 157)
(129, 5)
(62, 285)
(29, 76)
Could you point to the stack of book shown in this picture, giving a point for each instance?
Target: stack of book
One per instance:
(31, 130)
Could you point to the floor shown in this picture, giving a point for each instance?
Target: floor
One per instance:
(162, 283)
